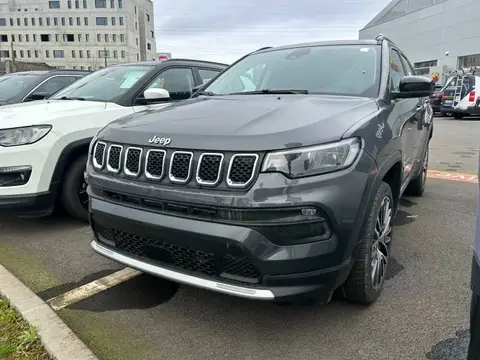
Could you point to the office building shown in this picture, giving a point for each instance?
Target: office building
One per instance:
(437, 35)
(77, 34)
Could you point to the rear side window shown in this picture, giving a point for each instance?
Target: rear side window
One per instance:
(55, 83)
(207, 74)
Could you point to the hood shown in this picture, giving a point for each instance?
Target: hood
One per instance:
(245, 122)
(45, 111)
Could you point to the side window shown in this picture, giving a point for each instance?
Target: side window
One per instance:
(207, 74)
(177, 81)
(55, 83)
(408, 66)
(397, 72)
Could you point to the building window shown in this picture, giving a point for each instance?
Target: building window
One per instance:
(102, 21)
(469, 61)
(73, 54)
(87, 37)
(34, 38)
(69, 4)
(148, 17)
(25, 21)
(84, 4)
(89, 55)
(4, 53)
(77, 4)
(36, 53)
(80, 54)
(106, 37)
(112, 4)
(136, 25)
(40, 22)
(70, 21)
(58, 54)
(3, 38)
(55, 21)
(27, 37)
(135, 9)
(138, 57)
(14, 54)
(11, 22)
(29, 53)
(79, 21)
(113, 21)
(120, 4)
(114, 37)
(123, 54)
(424, 64)
(54, 4)
(120, 20)
(19, 37)
(122, 38)
(18, 22)
(45, 37)
(48, 21)
(21, 53)
(79, 37)
(100, 4)
(115, 54)
(13, 38)
(68, 37)
(99, 37)
(47, 53)
(57, 37)
(63, 21)
(149, 46)
(136, 40)
(152, 33)
(85, 20)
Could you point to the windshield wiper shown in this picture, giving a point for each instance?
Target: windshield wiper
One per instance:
(72, 98)
(272, 91)
(207, 93)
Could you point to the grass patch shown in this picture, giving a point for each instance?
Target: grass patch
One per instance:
(18, 340)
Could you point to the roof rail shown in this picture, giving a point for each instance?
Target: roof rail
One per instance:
(264, 48)
(380, 37)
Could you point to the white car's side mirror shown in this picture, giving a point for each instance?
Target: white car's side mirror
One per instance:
(156, 94)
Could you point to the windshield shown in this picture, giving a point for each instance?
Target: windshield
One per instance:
(104, 85)
(334, 69)
(12, 85)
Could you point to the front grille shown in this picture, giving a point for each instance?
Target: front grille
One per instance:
(180, 166)
(210, 169)
(241, 170)
(133, 157)
(114, 158)
(99, 154)
(192, 168)
(188, 258)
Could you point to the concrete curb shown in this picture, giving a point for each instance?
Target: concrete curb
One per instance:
(58, 339)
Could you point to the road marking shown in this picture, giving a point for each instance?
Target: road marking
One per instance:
(445, 175)
(92, 288)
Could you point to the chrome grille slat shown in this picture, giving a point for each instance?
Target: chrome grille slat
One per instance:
(241, 170)
(209, 169)
(155, 164)
(114, 158)
(99, 154)
(132, 161)
(180, 168)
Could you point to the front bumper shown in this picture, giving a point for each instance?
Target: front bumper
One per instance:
(471, 110)
(26, 206)
(231, 257)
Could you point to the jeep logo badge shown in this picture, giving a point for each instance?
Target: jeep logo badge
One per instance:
(159, 141)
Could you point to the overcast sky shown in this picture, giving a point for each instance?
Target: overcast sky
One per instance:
(224, 30)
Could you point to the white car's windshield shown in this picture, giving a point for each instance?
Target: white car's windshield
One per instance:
(334, 69)
(104, 85)
(12, 85)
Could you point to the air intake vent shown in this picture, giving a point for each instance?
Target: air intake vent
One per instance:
(133, 157)
(180, 167)
(209, 169)
(241, 170)
(155, 164)
(99, 154)
(114, 158)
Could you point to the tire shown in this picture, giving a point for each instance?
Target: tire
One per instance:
(72, 184)
(444, 114)
(458, 116)
(417, 185)
(360, 286)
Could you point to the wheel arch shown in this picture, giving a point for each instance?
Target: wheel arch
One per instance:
(391, 172)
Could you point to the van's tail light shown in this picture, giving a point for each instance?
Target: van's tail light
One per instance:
(471, 97)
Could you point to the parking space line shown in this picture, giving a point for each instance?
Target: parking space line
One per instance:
(445, 175)
(92, 288)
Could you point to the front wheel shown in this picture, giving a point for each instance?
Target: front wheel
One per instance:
(458, 116)
(74, 190)
(366, 280)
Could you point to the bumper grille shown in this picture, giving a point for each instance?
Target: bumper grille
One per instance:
(190, 259)
(239, 170)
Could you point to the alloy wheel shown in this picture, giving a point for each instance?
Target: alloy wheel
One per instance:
(381, 243)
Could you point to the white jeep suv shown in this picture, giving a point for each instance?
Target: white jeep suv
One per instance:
(44, 144)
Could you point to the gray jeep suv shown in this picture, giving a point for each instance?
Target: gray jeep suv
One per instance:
(278, 180)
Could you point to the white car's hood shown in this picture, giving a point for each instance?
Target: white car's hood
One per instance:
(46, 111)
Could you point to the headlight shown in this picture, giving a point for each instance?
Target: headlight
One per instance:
(313, 160)
(23, 135)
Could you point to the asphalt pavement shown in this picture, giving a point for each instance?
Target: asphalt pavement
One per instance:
(422, 314)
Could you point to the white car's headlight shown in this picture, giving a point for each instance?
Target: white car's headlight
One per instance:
(23, 135)
(313, 160)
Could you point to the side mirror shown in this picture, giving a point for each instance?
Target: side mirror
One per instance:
(414, 87)
(152, 95)
(37, 96)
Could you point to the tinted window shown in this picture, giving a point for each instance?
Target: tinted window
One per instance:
(207, 74)
(337, 69)
(397, 72)
(54, 84)
(13, 85)
(106, 84)
(177, 81)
